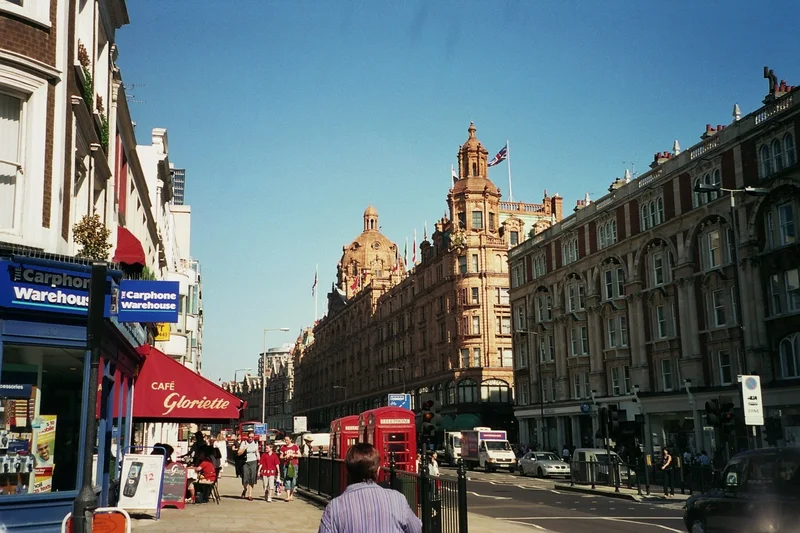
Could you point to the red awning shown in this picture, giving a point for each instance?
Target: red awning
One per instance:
(165, 389)
(129, 249)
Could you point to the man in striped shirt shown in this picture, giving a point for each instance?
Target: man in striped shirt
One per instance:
(365, 506)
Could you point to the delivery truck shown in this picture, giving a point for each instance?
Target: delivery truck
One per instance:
(488, 449)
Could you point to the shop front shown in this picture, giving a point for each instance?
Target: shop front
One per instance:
(551, 428)
(44, 376)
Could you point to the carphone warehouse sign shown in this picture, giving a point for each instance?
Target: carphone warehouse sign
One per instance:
(148, 301)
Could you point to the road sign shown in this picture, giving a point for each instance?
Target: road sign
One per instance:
(259, 429)
(751, 400)
(400, 400)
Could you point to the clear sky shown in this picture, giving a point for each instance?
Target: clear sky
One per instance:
(291, 117)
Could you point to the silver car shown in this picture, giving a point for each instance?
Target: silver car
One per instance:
(543, 464)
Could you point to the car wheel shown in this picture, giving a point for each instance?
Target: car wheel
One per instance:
(522, 471)
(487, 468)
(540, 473)
(698, 526)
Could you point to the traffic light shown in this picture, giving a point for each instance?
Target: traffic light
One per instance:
(603, 414)
(613, 422)
(726, 414)
(428, 428)
(713, 413)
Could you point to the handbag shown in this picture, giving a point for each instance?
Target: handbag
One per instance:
(290, 471)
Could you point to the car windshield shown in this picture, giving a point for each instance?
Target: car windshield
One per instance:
(457, 442)
(602, 458)
(546, 457)
(497, 445)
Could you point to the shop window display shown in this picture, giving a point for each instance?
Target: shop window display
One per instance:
(40, 414)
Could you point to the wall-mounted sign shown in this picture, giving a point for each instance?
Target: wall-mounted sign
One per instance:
(38, 288)
(148, 301)
(163, 331)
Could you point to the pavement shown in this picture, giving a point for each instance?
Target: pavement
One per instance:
(623, 494)
(301, 515)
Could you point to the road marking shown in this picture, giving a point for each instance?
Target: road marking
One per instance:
(554, 491)
(486, 496)
(617, 518)
(643, 524)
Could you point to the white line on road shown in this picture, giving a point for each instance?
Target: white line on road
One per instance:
(644, 524)
(617, 518)
(486, 496)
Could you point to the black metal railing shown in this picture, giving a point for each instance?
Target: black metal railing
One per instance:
(617, 474)
(440, 503)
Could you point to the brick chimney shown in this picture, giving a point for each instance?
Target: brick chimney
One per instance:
(711, 131)
(660, 158)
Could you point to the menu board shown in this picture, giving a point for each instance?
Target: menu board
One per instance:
(140, 487)
(173, 489)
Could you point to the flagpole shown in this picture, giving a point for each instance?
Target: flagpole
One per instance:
(508, 157)
(316, 292)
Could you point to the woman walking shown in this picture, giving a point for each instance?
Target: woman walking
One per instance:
(221, 445)
(290, 454)
(666, 467)
(249, 449)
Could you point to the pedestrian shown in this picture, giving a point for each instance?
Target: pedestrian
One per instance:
(269, 471)
(221, 445)
(666, 467)
(290, 454)
(565, 453)
(249, 450)
(365, 506)
(433, 465)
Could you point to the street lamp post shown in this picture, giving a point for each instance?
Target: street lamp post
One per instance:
(263, 372)
(539, 378)
(750, 191)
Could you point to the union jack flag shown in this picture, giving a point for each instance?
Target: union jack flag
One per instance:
(501, 156)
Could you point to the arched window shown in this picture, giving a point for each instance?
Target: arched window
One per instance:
(643, 217)
(660, 207)
(467, 391)
(777, 155)
(653, 214)
(717, 180)
(766, 162)
(788, 147)
(790, 356)
(494, 391)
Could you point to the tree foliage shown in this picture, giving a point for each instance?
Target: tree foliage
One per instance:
(92, 235)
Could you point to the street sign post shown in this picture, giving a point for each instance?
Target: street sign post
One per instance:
(400, 400)
(260, 431)
(751, 400)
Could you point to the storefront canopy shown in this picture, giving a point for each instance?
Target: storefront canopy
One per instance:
(129, 249)
(165, 389)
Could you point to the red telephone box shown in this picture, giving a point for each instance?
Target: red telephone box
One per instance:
(393, 429)
(344, 433)
(363, 422)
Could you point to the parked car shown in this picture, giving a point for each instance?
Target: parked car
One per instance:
(591, 464)
(759, 491)
(543, 464)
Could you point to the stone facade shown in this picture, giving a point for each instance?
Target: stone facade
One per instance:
(633, 301)
(442, 330)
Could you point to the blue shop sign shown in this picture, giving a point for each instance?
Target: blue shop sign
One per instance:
(40, 288)
(148, 301)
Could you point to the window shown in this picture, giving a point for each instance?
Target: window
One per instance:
(766, 162)
(581, 297)
(522, 354)
(623, 330)
(505, 357)
(476, 357)
(514, 238)
(661, 322)
(462, 264)
(612, 332)
(576, 386)
(620, 283)
(516, 275)
(734, 311)
(502, 296)
(11, 144)
(609, 285)
(666, 375)
(791, 280)
(475, 295)
(544, 308)
(475, 262)
(477, 219)
(718, 307)
(627, 375)
(606, 233)
(658, 269)
(616, 384)
(464, 357)
(788, 146)
(36, 10)
(714, 254)
(569, 251)
(504, 325)
(520, 314)
(725, 372)
(539, 266)
(491, 221)
(790, 356)
(786, 233)
(580, 340)
(777, 155)
(476, 325)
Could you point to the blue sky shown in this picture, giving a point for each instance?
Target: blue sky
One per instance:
(291, 117)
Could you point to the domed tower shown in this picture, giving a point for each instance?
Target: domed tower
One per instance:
(474, 200)
(371, 259)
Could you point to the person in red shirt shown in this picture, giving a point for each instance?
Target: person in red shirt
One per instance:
(268, 470)
(290, 455)
(206, 476)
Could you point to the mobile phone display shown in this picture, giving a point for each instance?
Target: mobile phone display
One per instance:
(134, 474)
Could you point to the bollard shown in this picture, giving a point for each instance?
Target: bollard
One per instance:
(571, 476)
(638, 483)
(683, 481)
(646, 463)
(424, 494)
(462, 497)
(615, 466)
(591, 473)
